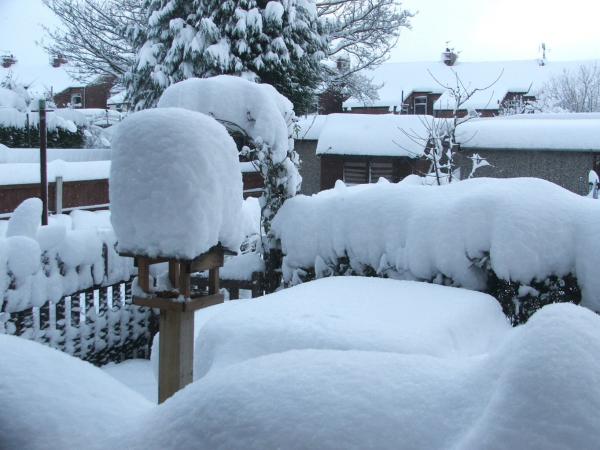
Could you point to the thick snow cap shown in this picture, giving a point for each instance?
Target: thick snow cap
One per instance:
(258, 109)
(175, 184)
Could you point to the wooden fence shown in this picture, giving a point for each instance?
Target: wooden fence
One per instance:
(99, 325)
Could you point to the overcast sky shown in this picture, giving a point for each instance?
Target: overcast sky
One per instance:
(501, 29)
(480, 29)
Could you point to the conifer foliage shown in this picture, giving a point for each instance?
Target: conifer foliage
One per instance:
(276, 42)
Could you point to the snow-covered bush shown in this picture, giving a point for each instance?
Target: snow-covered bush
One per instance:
(175, 184)
(524, 240)
(42, 263)
(267, 117)
(21, 129)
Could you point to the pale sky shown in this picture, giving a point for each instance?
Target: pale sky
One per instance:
(481, 29)
(487, 30)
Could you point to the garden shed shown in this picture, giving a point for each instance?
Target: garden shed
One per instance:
(361, 148)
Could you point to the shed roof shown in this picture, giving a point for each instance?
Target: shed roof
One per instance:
(373, 135)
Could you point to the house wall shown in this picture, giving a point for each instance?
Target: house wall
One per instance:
(310, 166)
(93, 96)
(566, 168)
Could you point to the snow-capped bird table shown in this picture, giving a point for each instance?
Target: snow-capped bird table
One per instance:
(176, 200)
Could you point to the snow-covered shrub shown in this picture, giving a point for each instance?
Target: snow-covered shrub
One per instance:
(175, 184)
(267, 117)
(42, 263)
(524, 240)
(21, 130)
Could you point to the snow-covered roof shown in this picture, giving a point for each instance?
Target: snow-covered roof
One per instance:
(373, 134)
(117, 99)
(527, 132)
(309, 127)
(401, 79)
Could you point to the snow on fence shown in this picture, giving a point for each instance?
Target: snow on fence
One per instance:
(65, 285)
(99, 325)
(525, 241)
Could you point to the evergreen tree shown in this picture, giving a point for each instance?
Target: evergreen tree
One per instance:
(277, 42)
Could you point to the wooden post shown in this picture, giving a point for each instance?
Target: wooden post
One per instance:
(58, 195)
(43, 162)
(176, 347)
(177, 306)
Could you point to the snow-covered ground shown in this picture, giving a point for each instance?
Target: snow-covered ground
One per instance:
(349, 363)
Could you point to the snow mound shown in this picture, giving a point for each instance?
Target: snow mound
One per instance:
(349, 313)
(71, 253)
(261, 112)
(175, 184)
(538, 390)
(530, 228)
(54, 401)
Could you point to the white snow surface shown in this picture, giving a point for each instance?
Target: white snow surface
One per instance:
(429, 367)
(309, 127)
(57, 401)
(41, 263)
(28, 173)
(12, 117)
(373, 134)
(399, 80)
(528, 132)
(32, 155)
(530, 228)
(175, 184)
(258, 109)
(359, 363)
(351, 313)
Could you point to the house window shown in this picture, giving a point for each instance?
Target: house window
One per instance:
(420, 104)
(359, 172)
(356, 172)
(379, 170)
(76, 100)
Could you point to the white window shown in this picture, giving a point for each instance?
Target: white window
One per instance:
(420, 104)
(76, 100)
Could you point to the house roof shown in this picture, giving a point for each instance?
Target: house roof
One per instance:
(373, 135)
(309, 127)
(401, 79)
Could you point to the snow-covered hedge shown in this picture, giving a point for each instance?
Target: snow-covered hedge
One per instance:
(175, 184)
(525, 240)
(21, 130)
(41, 263)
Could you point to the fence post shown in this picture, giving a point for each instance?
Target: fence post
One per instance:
(58, 195)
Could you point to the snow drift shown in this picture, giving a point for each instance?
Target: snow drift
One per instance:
(302, 368)
(429, 367)
(175, 184)
(526, 229)
(51, 400)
